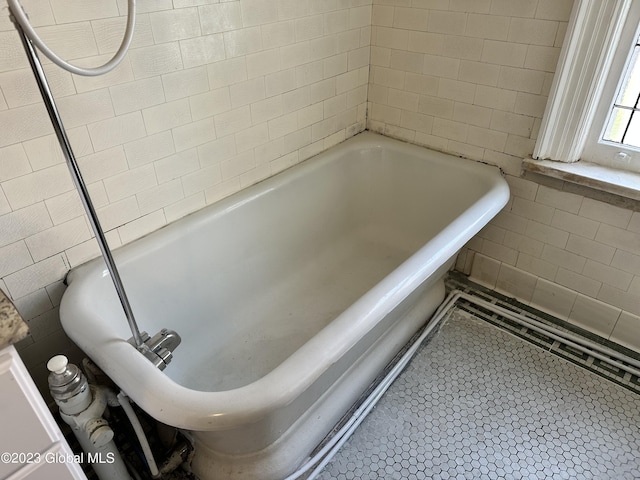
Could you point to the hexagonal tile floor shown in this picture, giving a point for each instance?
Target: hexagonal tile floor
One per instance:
(477, 402)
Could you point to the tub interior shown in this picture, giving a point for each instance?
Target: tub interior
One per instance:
(281, 264)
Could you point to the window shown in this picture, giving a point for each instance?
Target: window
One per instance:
(590, 77)
(614, 136)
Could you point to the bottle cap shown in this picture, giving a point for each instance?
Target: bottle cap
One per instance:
(57, 364)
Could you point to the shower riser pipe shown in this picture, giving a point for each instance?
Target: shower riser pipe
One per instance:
(72, 163)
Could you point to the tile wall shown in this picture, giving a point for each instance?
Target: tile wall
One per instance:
(471, 77)
(213, 96)
(216, 95)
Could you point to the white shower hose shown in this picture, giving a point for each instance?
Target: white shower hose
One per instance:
(21, 18)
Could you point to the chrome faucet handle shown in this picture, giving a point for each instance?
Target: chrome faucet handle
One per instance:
(159, 348)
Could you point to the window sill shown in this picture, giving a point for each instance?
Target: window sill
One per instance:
(619, 182)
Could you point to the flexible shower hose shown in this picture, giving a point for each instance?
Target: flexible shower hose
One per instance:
(21, 18)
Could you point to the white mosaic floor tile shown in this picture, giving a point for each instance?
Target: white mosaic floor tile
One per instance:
(479, 403)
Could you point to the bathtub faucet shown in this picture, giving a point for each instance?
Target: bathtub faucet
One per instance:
(159, 348)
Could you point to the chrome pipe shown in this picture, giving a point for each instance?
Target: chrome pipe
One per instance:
(69, 156)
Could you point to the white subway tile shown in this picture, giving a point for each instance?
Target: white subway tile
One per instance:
(194, 134)
(155, 60)
(220, 17)
(227, 72)
(185, 83)
(547, 234)
(118, 213)
(37, 186)
(243, 41)
(108, 33)
(142, 226)
(85, 108)
(466, 48)
(71, 40)
(575, 224)
(608, 275)
(532, 210)
(117, 131)
(278, 34)
(541, 58)
(252, 137)
(13, 162)
(533, 31)
(166, 116)
(88, 250)
(309, 27)
(410, 19)
(552, 298)
(258, 12)
(537, 266)
(45, 151)
(594, 315)
(222, 190)
(33, 309)
(496, 98)
(64, 207)
(247, 92)
(233, 121)
(130, 182)
(627, 331)
(214, 152)
(67, 11)
(202, 50)
(625, 300)
(634, 223)
(36, 276)
(123, 73)
(523, 244)
(184, 207)
(160, 196)
(605, 213)
(514, 8)
(137, 95)
(590, 249)
(517, 283)
(280, 82)
(210, 103)
(493, 27)
(499, 252)
(237, 165)
(103, 164)
(512, 123)
(149, 149)
(176, 24)
(619, 238)
(24, 123)
(578, 282)
(14, 257)
(391, 38)
(563, 258)
(504, 53)
(360, 16)
(626, 261)
(57, 239)
(175, 166)
(255, 175)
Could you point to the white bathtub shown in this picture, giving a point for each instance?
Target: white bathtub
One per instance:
(290, 297)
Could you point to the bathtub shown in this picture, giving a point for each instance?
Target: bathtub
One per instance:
(290, 297)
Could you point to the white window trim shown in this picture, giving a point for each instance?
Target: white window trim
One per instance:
(590, 43)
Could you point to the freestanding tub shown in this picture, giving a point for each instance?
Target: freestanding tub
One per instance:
(290, 297)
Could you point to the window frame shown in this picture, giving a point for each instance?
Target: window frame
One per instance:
(595, 149)
(586, 59)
